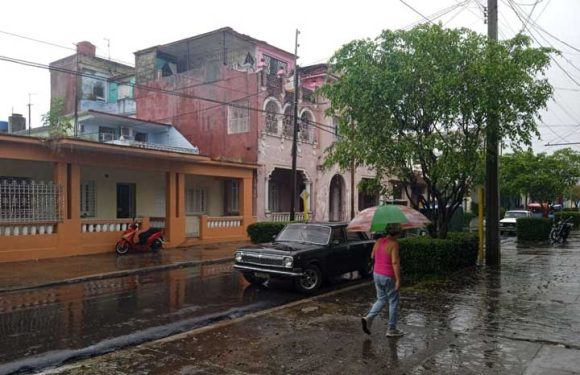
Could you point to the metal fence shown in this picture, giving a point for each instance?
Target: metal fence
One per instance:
(30, 201)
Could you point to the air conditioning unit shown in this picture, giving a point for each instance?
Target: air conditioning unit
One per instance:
(127, 133)
(106, 137)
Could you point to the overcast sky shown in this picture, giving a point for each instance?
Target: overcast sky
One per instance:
(324, 26)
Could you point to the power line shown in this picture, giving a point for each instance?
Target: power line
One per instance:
(517, 13)
(155, 89)
(59, 46)
(434, 16)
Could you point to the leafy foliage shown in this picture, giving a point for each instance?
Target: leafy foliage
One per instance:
(59, 124)
(535, 229)
(419, 100)
(541, 177)
(574, 195)
(425, 256)
(264, 231)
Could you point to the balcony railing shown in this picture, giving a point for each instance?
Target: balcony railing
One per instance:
(279, 217)
(32, 229)
(224, 222)
(106, 225)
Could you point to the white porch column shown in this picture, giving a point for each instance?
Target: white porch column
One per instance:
(309, 191)
(267, 194)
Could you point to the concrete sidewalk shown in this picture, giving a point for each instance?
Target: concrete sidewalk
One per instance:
(521, 319)
(47, 272)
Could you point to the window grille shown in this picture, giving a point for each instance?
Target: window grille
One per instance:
(25, 201)
(288, 122)
(107, 134)
(305, 127)
(142, 137)
(239, 118)
(272, 111)
(273, 65)
(88, 199)
(196, 201)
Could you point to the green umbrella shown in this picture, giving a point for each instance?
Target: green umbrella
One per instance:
(385, 215)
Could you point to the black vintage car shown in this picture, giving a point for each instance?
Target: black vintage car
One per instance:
(307, 253)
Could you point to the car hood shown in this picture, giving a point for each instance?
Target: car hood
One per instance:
(508, 220)
(281, 248)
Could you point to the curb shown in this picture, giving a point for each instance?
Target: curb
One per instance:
(117, 274)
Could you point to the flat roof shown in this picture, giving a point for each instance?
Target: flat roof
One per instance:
(220, 30)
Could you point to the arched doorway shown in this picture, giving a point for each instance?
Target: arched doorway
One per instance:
(336, 196)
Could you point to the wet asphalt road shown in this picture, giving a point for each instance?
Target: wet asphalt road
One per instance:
(44, 327)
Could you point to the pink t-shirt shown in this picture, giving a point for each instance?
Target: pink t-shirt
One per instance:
(383, 259)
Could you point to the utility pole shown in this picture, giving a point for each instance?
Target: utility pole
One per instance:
(492, 243)
(295, 133)
(29, 105)
(76, 109)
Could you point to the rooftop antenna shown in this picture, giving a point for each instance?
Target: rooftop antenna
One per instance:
(108, 47)
(29, 105)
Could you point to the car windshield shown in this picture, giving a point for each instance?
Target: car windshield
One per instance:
(515, 214)
(315, 234)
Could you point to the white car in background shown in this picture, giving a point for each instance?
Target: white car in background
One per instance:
(509, 221)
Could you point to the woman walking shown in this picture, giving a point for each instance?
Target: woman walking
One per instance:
(387, 277)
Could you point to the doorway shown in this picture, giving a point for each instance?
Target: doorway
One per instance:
(126, 201)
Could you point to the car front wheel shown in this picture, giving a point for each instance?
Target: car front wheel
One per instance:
(310, 281)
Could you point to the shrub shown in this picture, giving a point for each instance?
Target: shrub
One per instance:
(533, 228)
(570, 209)
(425, 256)
(264, 231)
(502, 212)
(567, 214)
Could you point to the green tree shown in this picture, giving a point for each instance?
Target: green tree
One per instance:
(516, 172)
(419, 102)
(543, 178)
(574, 194)
(59, 124)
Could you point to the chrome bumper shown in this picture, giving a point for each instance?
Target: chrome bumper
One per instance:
(266, 270)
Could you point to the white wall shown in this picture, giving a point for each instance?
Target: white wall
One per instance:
(150, 190)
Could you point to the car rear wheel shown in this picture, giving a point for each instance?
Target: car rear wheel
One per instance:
(310, 281)
(253, 279)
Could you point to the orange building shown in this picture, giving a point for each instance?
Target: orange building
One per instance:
(69, 196)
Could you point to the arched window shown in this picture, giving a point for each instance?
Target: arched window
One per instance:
(272, 117)
(306, 127)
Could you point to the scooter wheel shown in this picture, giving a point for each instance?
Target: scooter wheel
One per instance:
(122, 247)
(156, 245)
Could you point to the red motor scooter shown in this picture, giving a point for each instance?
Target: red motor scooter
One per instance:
(152, 239)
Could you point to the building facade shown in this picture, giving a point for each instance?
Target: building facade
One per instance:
(87, 82)
(71, 196)
(234, 95)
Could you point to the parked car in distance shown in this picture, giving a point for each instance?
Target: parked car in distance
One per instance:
(509, 221)
(308, 254)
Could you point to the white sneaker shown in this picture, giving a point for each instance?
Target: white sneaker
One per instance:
(394, 333)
